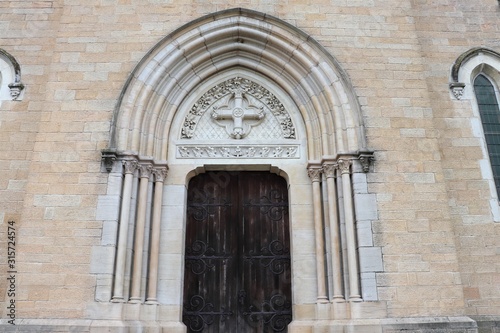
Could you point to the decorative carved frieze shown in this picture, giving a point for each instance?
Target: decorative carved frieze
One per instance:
(241, 151)
(238, 99)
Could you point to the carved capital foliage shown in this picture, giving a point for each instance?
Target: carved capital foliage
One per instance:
(129, 166)
(145, 170)
(344, 165)
(160, 173)
(329, 169)
(314, 173)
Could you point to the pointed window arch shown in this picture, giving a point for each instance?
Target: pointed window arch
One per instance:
(487, 101)
(475, 77)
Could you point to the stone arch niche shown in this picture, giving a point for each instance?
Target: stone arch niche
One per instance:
(238, 90)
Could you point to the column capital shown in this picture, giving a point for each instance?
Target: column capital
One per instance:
(145, 170)
(329, 168)
(130, 165)
(160, 173)
(344, 165)
(314, 172)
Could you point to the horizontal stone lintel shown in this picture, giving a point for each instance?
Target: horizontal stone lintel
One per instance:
(238, 151)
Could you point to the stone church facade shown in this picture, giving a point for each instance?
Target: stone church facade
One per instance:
(250, 166)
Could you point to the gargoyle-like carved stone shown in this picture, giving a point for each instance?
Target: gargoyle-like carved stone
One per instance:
(365, 160)
(15, 90)
(457, 88)
(108, 157)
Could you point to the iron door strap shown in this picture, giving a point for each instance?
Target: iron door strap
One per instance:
(273, 315)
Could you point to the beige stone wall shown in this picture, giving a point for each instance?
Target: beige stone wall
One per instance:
(445, 31)
(435, 226)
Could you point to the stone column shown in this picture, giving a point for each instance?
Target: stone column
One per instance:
(352, 258)
(315, 175)
(129, 167)
(330, 170)
(145, 173)
(151, 297)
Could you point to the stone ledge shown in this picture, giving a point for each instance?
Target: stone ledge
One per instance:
(89, 326)
(487, 324)
(462, 324)
(430, 324)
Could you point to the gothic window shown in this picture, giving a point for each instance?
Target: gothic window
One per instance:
(489, 111)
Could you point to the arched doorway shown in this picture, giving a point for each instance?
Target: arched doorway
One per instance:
(241, 90)
(237, 274)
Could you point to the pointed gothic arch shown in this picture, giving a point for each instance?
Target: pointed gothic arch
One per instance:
(239, 37)
(480, 61)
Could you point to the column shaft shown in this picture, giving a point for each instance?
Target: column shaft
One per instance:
(336, 260)
(352, 257)
(121, 252)
(152, 291)
(135, 293)
(315, 175)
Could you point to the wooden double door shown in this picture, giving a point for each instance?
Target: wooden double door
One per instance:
(237, 274)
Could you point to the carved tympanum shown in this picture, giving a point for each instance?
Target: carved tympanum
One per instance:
(239, 104)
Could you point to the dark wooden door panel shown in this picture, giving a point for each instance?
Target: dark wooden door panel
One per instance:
(237, 259)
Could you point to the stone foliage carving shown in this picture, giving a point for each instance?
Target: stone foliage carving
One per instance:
(234, 87)
(243, 151)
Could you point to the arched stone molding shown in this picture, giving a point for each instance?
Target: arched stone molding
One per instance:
(466, 68)
(238, 37)
(11, 87)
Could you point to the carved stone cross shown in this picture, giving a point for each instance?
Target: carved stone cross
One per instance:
(237, 126)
